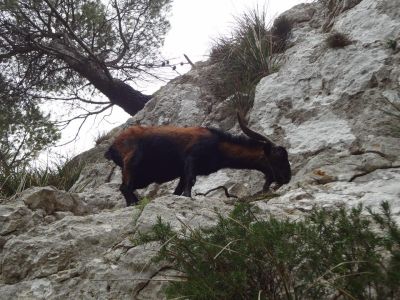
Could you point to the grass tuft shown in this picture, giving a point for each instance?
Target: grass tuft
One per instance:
(337, 40)
(101, 137)
(61, 175)
(249, 53)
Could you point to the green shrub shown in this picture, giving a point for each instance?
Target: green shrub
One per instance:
(61, 175)
(328, 255)
(249, 53)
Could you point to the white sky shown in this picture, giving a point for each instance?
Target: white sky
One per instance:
(194, 25)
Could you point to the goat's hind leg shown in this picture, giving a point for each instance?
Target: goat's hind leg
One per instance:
(179, 188)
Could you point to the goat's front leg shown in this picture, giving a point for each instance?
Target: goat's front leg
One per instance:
(128, 185)
(267, 184)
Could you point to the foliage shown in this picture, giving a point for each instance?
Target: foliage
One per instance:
(329, 254)
(337, 40)
(249, 53)
(24, 131)
(61, 175)
(69, 49)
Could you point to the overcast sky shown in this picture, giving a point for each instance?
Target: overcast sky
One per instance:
(194, 25)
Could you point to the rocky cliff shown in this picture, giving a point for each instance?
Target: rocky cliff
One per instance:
(324, 105)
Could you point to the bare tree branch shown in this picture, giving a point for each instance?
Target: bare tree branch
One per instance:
(84, 118)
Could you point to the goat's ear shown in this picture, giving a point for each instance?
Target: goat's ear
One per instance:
(268, 148)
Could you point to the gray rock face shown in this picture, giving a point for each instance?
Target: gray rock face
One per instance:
(93, 256)
(60, 253)
(369, 190)
(51, 200)
(200, 211)
(324, 105)
(14, 219)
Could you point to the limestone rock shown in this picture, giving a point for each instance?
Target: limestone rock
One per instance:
(14, 219)
(62, 247)
(369, 190)
(51, 200)
(181, 211)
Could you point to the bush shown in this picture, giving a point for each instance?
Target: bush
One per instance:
(328, 255)
(250, 53)
(62, 175)
(337, 40)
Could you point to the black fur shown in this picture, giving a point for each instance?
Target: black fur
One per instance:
(235, 139)
(113, 154)
(161, 158)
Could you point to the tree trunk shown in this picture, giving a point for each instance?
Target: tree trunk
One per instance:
(117, 91)
(126, 97)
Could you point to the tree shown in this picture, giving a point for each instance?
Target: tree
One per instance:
(24, 131)
(69, 49)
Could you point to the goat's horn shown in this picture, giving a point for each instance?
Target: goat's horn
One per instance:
(250, 133)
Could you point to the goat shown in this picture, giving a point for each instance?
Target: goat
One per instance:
(160, 154)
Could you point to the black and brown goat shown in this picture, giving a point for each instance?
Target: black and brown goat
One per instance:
(160, 154)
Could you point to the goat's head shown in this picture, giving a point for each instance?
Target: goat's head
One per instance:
(275, 163)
